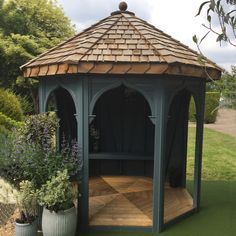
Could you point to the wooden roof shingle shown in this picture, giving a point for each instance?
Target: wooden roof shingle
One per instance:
(121, 44)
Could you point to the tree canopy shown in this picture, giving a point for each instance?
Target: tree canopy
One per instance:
(227, 87)
(28, 28)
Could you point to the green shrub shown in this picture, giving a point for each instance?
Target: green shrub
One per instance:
(8, 123)
(57, 194)
(3, 130)
(29, 152)
(21, 160)
(211, 107)
(41, 128)
(26, 105)
(192, 111)
(10, 105)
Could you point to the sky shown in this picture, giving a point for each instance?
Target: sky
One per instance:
(176, 18)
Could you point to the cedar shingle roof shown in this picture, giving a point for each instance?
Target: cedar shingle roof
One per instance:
(121, 44)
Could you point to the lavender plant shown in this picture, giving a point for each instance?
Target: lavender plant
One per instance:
(32, 153)
(40, 129)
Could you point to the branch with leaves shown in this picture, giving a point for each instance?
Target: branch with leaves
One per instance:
(224, 12)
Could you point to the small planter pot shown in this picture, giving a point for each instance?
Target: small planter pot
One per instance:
(26, 229)
(62, 223)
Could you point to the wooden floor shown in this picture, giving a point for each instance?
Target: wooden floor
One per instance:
(127, 201)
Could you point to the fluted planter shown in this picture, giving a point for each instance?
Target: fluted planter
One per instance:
(26, 229)
(61, 223)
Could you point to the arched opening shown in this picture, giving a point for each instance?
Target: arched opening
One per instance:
(122, 123)
(121, 160)
(179, 158)
(61, 102)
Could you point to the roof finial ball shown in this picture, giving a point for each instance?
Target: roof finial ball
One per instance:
(123, 6)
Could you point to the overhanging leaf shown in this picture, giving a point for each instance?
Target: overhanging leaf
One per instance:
(201, 6)
(195, 39)
(209, 18)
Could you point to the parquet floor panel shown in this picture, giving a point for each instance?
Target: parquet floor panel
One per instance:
(127, 201)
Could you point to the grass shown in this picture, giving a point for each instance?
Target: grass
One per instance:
(219, 155)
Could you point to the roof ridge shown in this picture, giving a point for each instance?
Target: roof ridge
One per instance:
(107, 30)
(147, 40)
(64, 42)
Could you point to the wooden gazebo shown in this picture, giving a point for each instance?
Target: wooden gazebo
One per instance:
(122, 88)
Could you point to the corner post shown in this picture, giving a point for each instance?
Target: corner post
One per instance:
(83, 218)
(158, 176)
(198, 145)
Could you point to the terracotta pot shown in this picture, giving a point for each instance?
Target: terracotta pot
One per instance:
(61, 223)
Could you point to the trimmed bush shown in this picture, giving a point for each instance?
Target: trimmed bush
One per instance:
(211, 108)
(26, 105)
(8, 123)
(10, 105)
(192, 110)
(3, 130)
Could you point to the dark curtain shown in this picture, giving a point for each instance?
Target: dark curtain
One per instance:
(65, 113)
(176, 135)
(123, 123)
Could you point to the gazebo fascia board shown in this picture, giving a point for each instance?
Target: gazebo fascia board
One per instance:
(151, 68)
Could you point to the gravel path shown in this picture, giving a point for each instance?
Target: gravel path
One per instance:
(225, 122)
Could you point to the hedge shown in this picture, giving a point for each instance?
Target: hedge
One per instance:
(4, 131)
(211, 108)
(8, 123)
(10, 105)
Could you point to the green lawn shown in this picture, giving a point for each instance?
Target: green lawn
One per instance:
(219, 155)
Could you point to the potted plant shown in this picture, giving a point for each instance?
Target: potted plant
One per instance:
(59, 213)
(26, 224)
(31, 153)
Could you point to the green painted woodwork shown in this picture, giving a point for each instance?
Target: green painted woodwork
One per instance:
(158, 176)
(159, 92)
(198, 146)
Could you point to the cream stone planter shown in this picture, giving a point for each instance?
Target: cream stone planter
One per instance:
(61, 223)
(26, 229)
